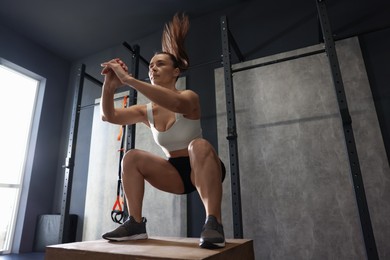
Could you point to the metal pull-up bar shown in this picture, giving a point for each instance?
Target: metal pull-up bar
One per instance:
(92, 79)
(136, 53)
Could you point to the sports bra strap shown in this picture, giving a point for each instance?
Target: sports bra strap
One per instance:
(149, 111)
(177, 116)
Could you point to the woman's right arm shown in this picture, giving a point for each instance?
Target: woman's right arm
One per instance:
(121, 116)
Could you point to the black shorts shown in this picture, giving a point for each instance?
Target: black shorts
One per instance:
(183, 166)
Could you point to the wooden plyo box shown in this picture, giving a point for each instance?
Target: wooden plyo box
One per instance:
(167, 248)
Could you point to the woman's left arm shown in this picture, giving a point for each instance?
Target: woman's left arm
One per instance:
(185, 102)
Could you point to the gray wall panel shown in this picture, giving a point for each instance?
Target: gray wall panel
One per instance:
(102, 177)
(297, 193)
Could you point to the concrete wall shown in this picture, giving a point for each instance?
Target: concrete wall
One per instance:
(37, 196)
(297, 193)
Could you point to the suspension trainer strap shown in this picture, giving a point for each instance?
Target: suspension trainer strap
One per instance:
(117, 213)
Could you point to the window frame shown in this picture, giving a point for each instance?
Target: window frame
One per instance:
(22, 197)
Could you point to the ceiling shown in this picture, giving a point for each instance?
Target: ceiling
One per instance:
(76, 28)
(73, 29)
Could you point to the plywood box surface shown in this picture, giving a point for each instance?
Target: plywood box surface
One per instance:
(152, 248)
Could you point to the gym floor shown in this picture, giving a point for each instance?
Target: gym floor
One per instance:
(27, 256)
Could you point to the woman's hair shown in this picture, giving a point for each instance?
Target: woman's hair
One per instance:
(173, 38)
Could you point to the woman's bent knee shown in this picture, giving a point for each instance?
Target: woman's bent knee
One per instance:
(201, 150)
(200, 145)
(132, 158)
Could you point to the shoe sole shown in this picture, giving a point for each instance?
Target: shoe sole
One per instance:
(209, 245)
(135, 237)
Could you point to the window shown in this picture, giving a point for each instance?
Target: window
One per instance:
(19, 91)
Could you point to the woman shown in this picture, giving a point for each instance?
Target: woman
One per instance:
(174, 118)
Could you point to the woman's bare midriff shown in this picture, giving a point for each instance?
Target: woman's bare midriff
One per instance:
(178, 153)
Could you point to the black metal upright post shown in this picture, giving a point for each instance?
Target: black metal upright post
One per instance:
(364, 214)
(70, 159)
(232, 134)
(130, 144)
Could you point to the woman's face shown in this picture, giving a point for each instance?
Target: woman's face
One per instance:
(161, 70)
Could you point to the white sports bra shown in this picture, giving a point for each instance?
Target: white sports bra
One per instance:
(178, 136)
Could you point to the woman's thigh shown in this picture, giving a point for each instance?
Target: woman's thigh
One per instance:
(155, 170)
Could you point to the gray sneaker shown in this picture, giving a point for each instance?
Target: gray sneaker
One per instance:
(130, 230)
(212, 235)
